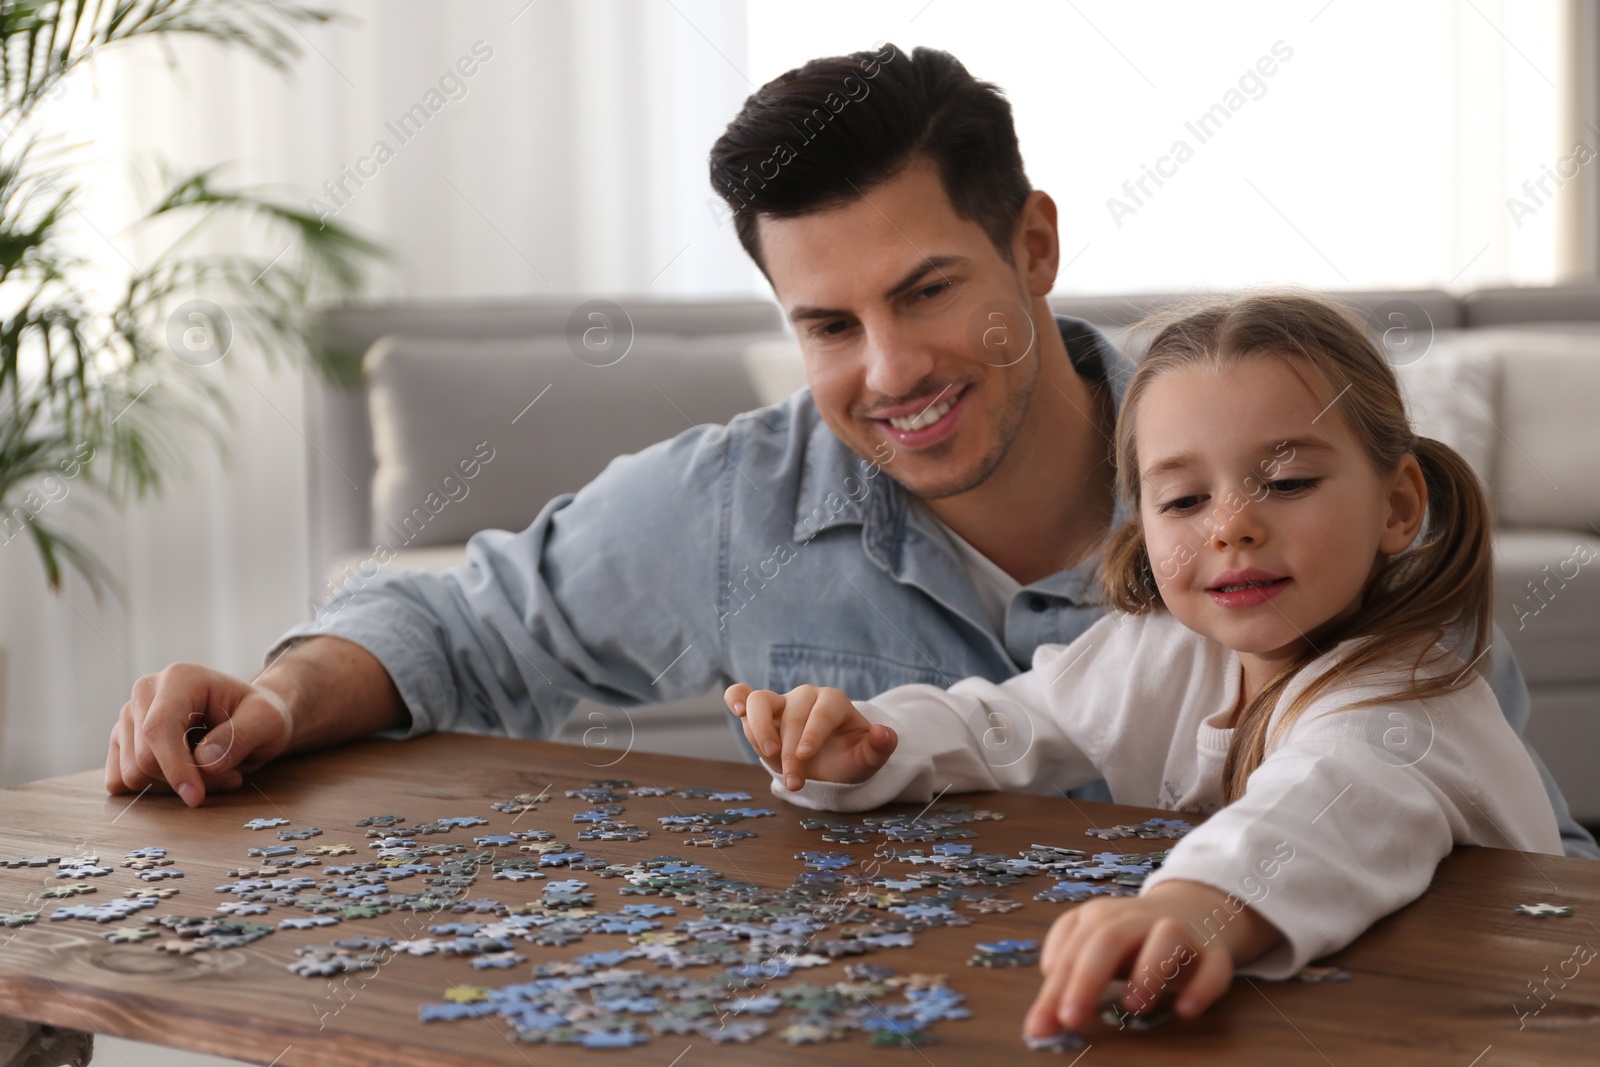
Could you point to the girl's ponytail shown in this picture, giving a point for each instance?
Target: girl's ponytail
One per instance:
(1449, 574)
(1435, 592)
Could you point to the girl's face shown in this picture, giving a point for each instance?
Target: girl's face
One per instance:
(1262, 514)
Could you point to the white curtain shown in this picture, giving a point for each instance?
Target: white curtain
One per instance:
(571, 159)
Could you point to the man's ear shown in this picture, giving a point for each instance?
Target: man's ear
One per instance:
(1036, 247)
(1408, 504)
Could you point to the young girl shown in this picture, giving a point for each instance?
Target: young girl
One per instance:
(1281, 655)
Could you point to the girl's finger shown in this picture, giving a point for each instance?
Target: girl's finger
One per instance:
(877, 746)
(760, 709)
(735, 696)
(1164, 963)
(1055, 941)
(1055, 968)
(798, 704)
(1095, 961)
(830, 711)
(1212, 977)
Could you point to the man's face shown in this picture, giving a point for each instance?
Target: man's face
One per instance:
(916, 344)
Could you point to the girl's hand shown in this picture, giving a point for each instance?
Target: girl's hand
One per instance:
(815, 732)
(1152, 938)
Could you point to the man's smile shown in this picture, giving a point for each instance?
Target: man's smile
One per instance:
(925, 421)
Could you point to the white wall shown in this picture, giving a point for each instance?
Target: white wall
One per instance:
(1381, 154)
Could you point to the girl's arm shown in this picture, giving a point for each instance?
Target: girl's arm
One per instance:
(1037, 729)
(1346, 819)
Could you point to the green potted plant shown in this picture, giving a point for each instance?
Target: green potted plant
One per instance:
(107, 395)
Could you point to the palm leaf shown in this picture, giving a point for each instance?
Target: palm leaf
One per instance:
(99, 391)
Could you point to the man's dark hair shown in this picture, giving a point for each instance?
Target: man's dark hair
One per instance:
(823, 134)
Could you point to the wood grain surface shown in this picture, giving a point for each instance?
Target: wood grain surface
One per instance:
(1446, 980)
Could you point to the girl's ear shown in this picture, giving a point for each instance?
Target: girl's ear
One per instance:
(1408, 503)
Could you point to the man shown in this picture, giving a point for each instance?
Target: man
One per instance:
(929, 509)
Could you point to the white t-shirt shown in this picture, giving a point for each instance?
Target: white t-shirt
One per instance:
(1343, 822)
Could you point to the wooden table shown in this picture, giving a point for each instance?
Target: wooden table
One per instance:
(1441, 981)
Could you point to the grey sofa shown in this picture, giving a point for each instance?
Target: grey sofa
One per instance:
(1509, 376)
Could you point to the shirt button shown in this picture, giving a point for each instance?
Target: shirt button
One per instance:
(1037, 602)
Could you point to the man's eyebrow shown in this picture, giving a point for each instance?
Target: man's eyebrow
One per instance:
(915, 275)
(1187, 459)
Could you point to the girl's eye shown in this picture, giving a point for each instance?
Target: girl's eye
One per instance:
(1293, 486)
(1182, 503)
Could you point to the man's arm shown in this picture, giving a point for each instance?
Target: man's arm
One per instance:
(335, 691)
(606, 596)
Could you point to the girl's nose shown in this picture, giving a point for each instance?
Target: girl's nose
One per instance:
(1238, 528)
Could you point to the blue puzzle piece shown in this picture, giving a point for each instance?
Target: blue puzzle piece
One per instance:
(432, 1013)
(612, 1038)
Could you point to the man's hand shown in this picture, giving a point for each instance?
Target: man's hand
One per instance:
(814, 732)
(191, 729)
(319, 691)
(1155, 939)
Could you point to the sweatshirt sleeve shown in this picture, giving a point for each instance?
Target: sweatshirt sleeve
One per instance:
(1346, 819)
(1040, 729)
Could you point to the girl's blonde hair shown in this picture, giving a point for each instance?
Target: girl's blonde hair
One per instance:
(1442, 583)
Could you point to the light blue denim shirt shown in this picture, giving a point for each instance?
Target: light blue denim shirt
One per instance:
(763, 551)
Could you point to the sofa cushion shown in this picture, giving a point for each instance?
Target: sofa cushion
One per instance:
(1451, 393)
(476, 434)
(1547, 602)
(1547, 466)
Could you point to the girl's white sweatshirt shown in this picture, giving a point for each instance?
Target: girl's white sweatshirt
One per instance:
(1343, 822)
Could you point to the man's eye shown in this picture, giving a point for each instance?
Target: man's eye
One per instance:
(928, 292)
(1293, 486)
(1182, 503)
(830, 329)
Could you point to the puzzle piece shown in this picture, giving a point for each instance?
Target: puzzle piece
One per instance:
(152, 894)
(182, 948)
(265, 824)
(82, 872)
(1135, 1020)
(1060, 1041)
(1540, 911)
(70, 890)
